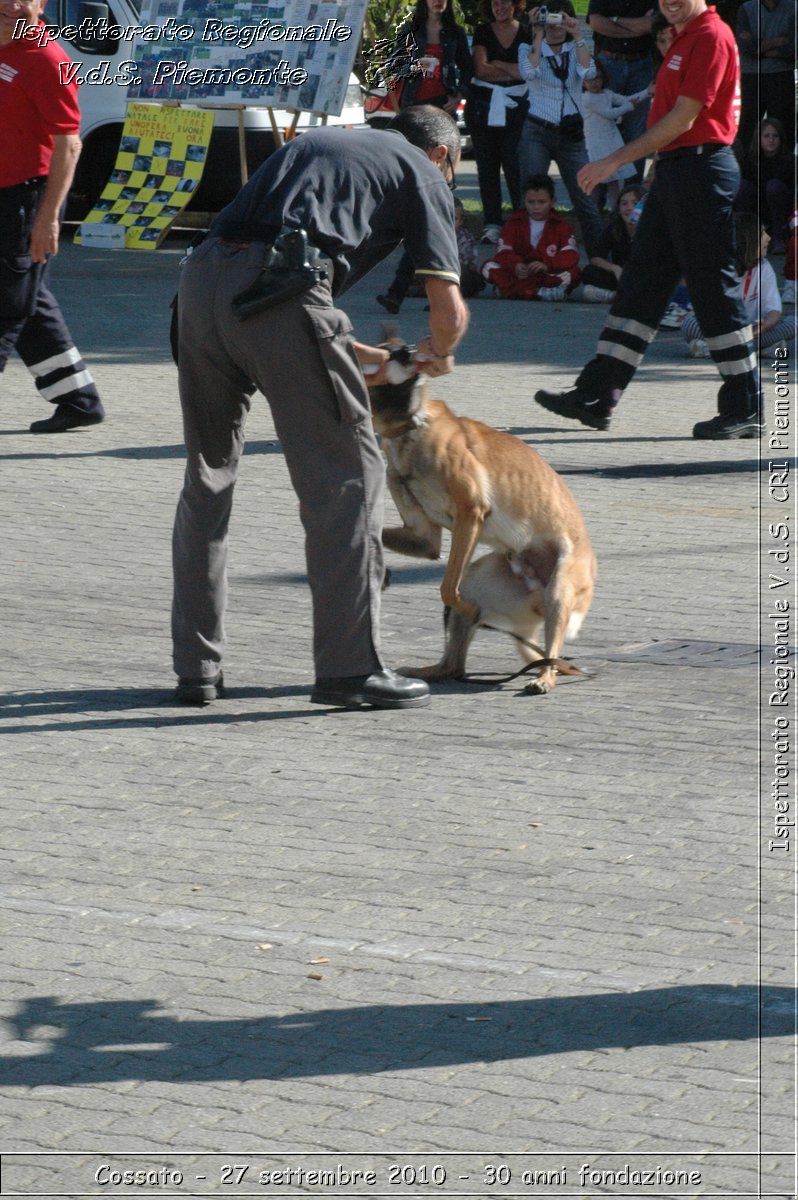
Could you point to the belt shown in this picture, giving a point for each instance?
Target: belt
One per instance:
(691, 151)
(631, 57)
(244, 231)
(543, 124)
(36, 181)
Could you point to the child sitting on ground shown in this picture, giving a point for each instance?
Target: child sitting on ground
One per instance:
(600, 276)
(760, 290)
(471, 281)
(536, 256)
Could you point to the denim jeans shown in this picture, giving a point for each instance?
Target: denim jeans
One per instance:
(539, 147)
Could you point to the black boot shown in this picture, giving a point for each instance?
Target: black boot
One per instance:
(579, 405)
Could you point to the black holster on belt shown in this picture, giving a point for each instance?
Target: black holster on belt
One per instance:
(291, 267)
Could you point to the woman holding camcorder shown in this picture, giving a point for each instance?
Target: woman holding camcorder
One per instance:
(554, 66)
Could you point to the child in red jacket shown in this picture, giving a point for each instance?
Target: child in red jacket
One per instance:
(536, 256)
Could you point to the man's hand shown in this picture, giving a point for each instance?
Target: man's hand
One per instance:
(448, 318)
(374, 361)
(44, 233)
(44, 236)
(430, 362)
(592, 174)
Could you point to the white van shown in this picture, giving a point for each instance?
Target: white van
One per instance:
(103, 102)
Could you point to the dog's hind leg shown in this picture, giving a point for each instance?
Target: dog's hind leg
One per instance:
(559, 605)
(459, 633)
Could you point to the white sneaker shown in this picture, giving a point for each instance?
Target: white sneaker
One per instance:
(788, 295)
(597, 295)
(490, 235)
(674, 315)
(552, 293)
(699, 348)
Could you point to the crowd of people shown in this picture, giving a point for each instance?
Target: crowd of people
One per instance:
(537, 92)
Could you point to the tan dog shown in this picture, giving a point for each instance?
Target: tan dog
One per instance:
(449, 472)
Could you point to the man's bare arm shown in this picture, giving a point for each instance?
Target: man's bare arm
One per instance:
(628, 27)
(682, 117)
(44, 234)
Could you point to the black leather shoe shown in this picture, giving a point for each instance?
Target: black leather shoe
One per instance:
(383, 689)
(66, 417)
(578, 406)
(200, 691)
(723, 428)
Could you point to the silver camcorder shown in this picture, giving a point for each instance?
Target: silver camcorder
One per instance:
(544, 17)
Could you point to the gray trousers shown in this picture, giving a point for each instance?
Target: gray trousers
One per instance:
(300, 355)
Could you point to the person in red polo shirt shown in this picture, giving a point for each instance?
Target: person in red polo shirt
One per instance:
(685, 231)
(39, 148)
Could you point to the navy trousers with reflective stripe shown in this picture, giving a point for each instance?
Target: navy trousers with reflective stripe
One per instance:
(685, 231)
(42, 340)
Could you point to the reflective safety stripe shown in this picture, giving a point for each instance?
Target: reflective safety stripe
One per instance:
(623, 353)
(737, 337)
(57, 362)
(70, 383)
(737, 366)
(627, 325)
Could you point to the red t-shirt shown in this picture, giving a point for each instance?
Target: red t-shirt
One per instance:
(35, 106)
(703, 64)
(432, 86)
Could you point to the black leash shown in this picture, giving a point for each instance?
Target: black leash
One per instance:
(564, 666)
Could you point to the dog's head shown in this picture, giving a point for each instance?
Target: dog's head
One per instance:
(398, 405)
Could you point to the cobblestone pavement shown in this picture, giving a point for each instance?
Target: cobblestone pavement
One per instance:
(501, 930)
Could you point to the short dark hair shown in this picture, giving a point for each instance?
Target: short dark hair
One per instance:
(426, 126)
(538, 183)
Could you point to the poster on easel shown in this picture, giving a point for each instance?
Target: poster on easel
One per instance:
(290, 55)
(159, 165)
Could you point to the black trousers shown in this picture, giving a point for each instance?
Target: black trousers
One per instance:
(496, 149)
(31, 321)
(685, 230)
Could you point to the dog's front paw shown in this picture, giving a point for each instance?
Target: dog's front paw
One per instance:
(434, 672)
